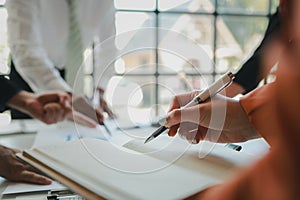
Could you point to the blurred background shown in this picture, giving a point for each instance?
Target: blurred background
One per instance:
(146, 80)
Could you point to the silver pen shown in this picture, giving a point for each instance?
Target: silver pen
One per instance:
(207, 93)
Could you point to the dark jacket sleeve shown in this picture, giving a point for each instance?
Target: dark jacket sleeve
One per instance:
(7, 90)
(250, 74)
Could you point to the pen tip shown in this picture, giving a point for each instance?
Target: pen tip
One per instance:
(149, 139)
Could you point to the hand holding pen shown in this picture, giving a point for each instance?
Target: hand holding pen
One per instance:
(190, 116)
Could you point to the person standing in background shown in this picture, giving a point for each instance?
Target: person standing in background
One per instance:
(47, 40)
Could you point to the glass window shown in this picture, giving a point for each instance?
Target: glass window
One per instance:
(187, 5)
(135, 39)
(135, 4)
(244, 6)
(140, 61)
(4, 50)
(132, 97)
(169, 86)
(195, 41)
(171, 46)
(274, 5)
(186, 43)
(235, 44)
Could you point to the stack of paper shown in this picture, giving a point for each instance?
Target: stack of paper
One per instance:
(166, 169)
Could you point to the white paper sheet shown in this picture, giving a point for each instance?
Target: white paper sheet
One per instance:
(23, 126)
(15, 188)
(55, 135)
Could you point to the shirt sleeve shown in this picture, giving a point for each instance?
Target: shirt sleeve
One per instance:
(26, 44)
(8, 90)
(105, 50)
(251, 72)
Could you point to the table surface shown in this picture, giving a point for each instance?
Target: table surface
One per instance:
(21, 140)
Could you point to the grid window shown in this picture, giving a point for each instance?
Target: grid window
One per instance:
(238, 6)
(228, 31)
(235, 44)
(4, 50)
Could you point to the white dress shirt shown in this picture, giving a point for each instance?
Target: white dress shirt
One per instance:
(38, 35)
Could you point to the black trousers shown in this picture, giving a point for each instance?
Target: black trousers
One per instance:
(16, 78)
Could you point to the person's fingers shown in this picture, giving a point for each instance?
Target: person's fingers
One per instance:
(20, 172)
(82, 119)
(32, 177)
(188, 131)
(200, 135)
(100, 116)
(65, 100)
(14, 151)
(54, 113)
(48, 98)
(182, 99)
(194, 134)
(173, 130)
(109, 112)
(191, 114)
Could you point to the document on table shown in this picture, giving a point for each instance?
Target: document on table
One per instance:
(58, 135)
(69, 132)
(128, 172)
(22, 126)
(15, 188)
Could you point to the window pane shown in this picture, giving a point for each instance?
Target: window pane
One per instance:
(136, 42)
(236, 42)
(88, 86)
(238, 6)
(4, 50)
(187, 5)
(275, 4)
(188, 46)
(132, 97)
(135, 4)
(88, 61)
(169, 86)
(200, 82)
(136, 62)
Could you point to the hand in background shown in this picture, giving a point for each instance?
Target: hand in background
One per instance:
(221, 116)
(13, 170)
(49, 107)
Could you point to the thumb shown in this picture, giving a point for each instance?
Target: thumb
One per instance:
(49, 97)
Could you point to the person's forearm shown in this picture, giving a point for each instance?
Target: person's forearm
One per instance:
(20, 101)
(28, 52)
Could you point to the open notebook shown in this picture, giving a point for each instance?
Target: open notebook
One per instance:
(165, 169)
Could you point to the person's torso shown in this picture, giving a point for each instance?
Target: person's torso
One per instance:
(54, 25)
